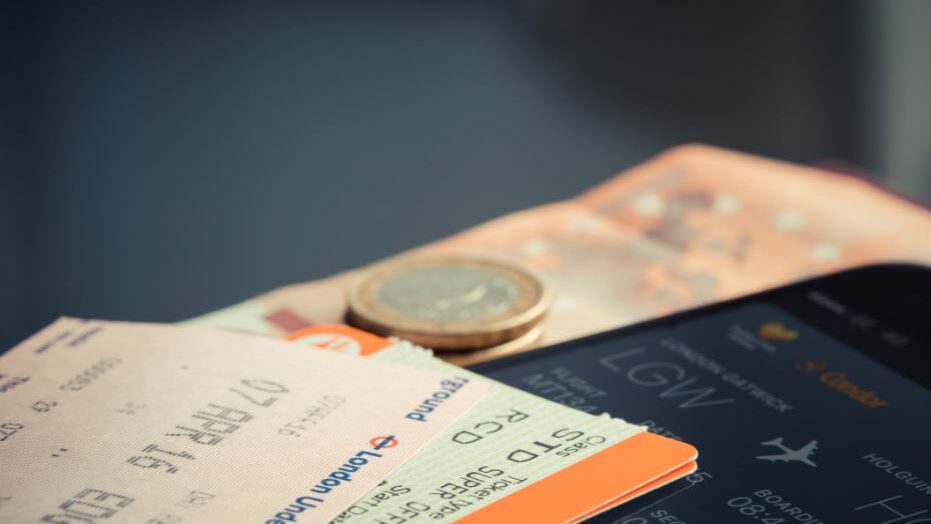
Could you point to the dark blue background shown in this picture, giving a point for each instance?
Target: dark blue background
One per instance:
(163, 159)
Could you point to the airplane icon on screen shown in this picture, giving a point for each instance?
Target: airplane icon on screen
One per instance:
(802, 454)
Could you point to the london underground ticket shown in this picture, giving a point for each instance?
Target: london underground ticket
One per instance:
(515, 457)
(119, 422)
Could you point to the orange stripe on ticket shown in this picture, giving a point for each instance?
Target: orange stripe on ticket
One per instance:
(627, 469)
(341, 338)
(675, 474)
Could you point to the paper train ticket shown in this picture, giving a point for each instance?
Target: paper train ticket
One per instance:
(514, 457)
(120, 422)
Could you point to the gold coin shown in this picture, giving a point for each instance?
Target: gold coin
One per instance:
(523, 343)
(448, 302)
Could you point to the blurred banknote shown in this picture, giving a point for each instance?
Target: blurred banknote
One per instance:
(694, 225)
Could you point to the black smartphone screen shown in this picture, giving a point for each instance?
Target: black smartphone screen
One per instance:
(808, 404)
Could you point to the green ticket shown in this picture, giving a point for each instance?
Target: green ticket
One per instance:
(507, 441)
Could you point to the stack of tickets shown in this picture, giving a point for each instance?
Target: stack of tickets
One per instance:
(125, 422)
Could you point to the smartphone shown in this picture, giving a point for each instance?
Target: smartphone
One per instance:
(808, 403)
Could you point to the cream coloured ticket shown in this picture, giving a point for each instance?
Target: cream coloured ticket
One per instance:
(119, 422)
